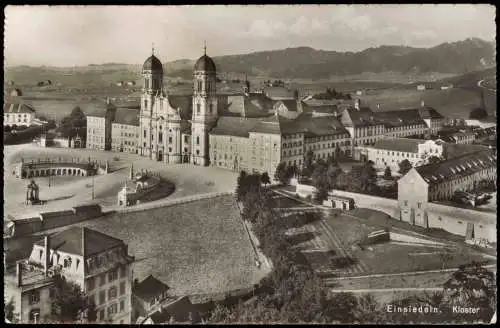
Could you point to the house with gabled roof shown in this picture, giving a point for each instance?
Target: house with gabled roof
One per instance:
(98, 263)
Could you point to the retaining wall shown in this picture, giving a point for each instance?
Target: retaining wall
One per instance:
(51, 220)
(449, 218)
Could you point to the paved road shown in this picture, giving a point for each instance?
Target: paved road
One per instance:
(407, 273)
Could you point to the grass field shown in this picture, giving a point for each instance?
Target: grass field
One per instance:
(195, 248)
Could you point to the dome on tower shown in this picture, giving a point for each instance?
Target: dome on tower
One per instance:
(205, 63)
(152, 64)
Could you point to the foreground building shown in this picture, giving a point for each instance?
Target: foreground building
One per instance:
(98, 263)
(435, 182)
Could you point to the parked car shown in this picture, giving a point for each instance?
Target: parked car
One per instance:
(464, 198)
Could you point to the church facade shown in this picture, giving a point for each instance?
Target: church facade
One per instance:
(163, 134)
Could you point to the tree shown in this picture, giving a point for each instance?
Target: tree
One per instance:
(472, 286)
(75, 123)
(9, 309)
(69, 301)
(221, 314)
(308, 159)
(405, 166)
(265, 178)
(321, 195)
(387, 173)
(240, 185)
(434, 159)
(318, 176)
(478, 113)
(283, 174)
(341, 308)
(332, 174)
(366, 178)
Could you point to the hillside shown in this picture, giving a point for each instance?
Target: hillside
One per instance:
(296, 63)
(305, 62)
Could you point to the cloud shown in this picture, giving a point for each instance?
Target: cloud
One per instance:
(359, 23)
(266, 29)
(424, 34)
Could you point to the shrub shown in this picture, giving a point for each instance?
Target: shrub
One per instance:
(116, 158)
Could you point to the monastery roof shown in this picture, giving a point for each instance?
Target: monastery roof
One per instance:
(399, 117)
(362, 117)
(242, 126)
(127, 116)
(430, 113)
(150, 288)
(184, 102)
(290, 104)
(453, 150)
(82, 241)
(457, 167)
(312, 126)
(278, 93)
(251, 105)
(17, 108)
(399, 144)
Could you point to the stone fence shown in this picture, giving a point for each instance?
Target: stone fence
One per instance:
(452, 219)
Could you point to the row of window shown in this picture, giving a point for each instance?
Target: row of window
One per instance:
(112, 293)
(130, 135)
(290, 144)
(112, 276)
(408, 127)
(210, 108)
(112, 310)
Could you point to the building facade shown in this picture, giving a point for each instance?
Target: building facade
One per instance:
(18, 114)
(389, 152)
(98, 263)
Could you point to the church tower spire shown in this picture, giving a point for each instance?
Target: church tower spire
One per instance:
(204, 115)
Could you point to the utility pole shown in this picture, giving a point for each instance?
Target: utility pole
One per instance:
(92, 186)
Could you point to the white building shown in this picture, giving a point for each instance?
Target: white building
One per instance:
(392, 151)
(17, 114)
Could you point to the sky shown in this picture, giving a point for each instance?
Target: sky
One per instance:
(82, 35)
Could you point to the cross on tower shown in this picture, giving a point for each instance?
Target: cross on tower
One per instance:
(153, 48)
(205, 47)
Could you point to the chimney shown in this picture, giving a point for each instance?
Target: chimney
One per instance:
(422, 103)
(356, 104)
(46, 254)
(19, 272)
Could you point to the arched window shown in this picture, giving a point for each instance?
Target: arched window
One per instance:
(146, 83)
(198, 108)
(211, 108)
(67, 262)
(199, 85)
(197, 140)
